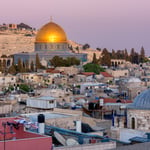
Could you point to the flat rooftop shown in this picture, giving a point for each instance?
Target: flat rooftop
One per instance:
(48, 115)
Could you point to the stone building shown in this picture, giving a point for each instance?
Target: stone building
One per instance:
(131, 87)
(138, 113)
(50, 41)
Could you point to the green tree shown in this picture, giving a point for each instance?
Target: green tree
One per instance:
(70, 47)
(32, 66)
(105, 59)
(38, 63)
(12, 69)
(90, 67)
(77, 48)
(20, 66)
(27, 67)
(25, 87)
(136, 58)
(56, 61)
(126, 55)
(94, 61)
(86, 46)
(0, 65)
(142, 55)
(4, 56)
(132, 54)
(74, 61)
(113, 54)
(99, 49)
(3, 66)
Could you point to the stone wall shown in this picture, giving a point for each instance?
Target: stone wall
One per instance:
(96, 146)
(5, 109)
(141, 119)
(11, 43)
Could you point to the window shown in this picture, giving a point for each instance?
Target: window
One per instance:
(45, 46)
(51, 102)
(133, 123)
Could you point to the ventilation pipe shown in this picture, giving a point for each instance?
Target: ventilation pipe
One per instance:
(41, 123)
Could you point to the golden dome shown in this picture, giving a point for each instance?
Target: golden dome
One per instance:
(51, 33)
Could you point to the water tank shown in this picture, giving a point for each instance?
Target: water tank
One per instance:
(41, 118)
(91, 106)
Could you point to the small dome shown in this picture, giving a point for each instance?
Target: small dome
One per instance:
(51, 33)
(134, 80)
(142, 101)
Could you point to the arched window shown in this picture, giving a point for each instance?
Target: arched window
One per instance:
(133, 123)
(46, 46)
(8, 63)
(112, 63)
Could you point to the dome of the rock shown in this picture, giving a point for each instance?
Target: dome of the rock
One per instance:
(51, 33)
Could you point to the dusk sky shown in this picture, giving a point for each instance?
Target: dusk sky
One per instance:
(114, 24)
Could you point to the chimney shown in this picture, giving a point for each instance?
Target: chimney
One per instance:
(78, 126)
(41, 123)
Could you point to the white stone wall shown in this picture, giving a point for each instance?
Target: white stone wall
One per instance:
(7, 80)
(96, 146)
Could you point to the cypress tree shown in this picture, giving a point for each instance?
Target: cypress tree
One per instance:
(32, 67)
(20, 65)
(94, 61)
(106, 60)
(38, 63)
(142, 55)
(12, 69)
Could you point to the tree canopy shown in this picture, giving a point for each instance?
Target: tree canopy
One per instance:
(90, 67)
(86, 46)
(57, 61)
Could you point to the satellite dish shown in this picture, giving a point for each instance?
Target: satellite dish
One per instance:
(60, 138)
(71, 142)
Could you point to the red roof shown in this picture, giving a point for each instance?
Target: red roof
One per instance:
(111, 100)
(52, 71)
(49, 70)
(88, 73)
(105, 74)
(16, 138)
(55, 71)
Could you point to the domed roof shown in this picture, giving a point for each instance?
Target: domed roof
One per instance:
(134, 79)
(51, 33)
(142, 101)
